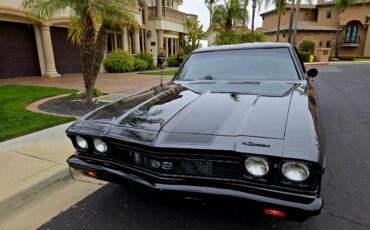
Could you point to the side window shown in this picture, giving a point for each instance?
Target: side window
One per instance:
(328, 14)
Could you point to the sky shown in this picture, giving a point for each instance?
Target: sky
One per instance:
(199, 8)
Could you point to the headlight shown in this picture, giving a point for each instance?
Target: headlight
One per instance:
(100, 146)
(256, 166)
(295, 171)
(81, 142)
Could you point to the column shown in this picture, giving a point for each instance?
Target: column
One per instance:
(102, 69)
(160, 39)
(136, 41)
(125, 43)
(180, 48)
(159, 8)
(115, 43)
(367, 43)
(123, 40)
(143, 39)
(50, 69)
(165, 46)
(147, 41)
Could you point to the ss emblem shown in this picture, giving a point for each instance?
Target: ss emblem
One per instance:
(166, 165)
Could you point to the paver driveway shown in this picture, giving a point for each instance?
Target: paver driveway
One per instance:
(126, 83)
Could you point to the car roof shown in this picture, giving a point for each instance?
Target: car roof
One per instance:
(253, 45)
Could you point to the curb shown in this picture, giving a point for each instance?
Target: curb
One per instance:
(316, 63)
(32, 190)
(33, 107)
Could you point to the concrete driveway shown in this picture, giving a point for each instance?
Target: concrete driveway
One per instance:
(126, 83)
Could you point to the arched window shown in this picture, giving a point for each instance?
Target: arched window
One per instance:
(351, 33)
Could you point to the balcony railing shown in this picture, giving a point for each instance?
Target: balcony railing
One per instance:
(170, 14)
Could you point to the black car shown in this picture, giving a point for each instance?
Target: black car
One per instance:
(236, 121)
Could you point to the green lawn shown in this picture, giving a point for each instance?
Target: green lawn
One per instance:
(15, 120)
(164, 72)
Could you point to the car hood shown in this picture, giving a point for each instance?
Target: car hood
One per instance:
(255, 109)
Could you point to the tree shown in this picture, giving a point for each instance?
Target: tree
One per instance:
(230, 37)
(295, 21)
(341, 5)
(244, 4)
(209, 5)
(228, 14)
(254, 5)
(280, 7)
(297, 8)
(195, 33)
(89, 22)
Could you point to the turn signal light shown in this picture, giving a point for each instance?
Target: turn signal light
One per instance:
(274, 212)
(91, 174)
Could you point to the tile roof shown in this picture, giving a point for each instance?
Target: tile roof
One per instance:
(303, 26)
(289, 6)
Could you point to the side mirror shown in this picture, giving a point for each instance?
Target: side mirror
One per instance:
(312, 73)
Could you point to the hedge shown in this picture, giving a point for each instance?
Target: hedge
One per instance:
(140, 65)
(304, 56)
(172, 61)
(347, 57)
(148, 58)
(119, 61)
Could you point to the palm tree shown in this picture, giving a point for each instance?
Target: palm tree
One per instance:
(244, 4)
(227, 14)
(256, 3)
(297, 8)
(195, 32)
(209, 5)
(280, 7)
(295, 20)
(341, 5)
(89, 22)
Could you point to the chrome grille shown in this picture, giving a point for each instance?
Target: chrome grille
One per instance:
(180, 165)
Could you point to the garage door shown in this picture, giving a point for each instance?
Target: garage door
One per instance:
(66, 55)
(18, 51)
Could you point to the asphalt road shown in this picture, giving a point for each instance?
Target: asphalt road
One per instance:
(344, 100)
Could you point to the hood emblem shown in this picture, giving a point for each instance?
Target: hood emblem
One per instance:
(250, 143)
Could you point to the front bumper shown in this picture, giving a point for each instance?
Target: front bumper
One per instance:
(118, 173)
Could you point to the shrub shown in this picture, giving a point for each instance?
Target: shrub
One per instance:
(226, 38)
(307, 46)
(363, 57)
(97, 92)
(249, 37)
(347, 57)
(140, 65)
(147, 57)
(119, 61)
(74, 93)
(172, 61)
(305, 56)
(229, 37)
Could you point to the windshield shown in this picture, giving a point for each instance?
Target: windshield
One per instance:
(247, 64)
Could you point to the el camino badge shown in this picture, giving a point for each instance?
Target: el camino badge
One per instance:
(250, 143)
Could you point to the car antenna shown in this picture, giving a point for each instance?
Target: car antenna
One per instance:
(161, 77)
(161, 66)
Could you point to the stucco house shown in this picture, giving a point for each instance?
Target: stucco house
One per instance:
(318, 23)
(43, 49)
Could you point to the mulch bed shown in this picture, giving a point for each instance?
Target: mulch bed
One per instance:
(68, 105)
